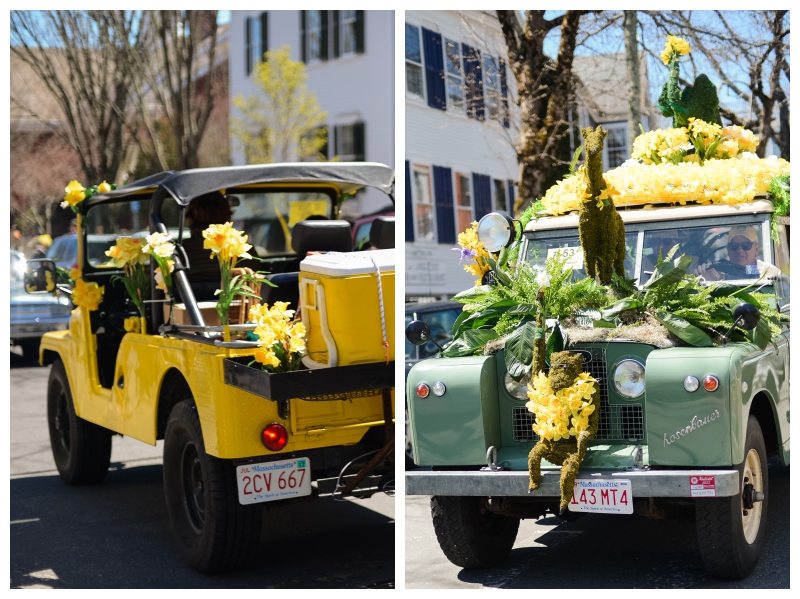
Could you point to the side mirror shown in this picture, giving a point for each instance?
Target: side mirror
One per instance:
(41, 276)
(746, 316)
(418, 333)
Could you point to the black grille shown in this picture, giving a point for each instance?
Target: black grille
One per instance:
(616, 421)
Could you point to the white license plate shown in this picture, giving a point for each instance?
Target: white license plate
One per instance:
(602, 496)
(271, 481)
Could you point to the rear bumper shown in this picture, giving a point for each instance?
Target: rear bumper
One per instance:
(504, 483)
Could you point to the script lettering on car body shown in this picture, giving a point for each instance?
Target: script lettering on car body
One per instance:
(694, 425)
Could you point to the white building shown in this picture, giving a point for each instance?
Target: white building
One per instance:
(460, 162)
(349, 55)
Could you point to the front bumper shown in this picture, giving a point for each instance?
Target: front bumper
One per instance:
(506, 483)
(31, 330)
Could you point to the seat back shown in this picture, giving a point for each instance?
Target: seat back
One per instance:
(287, 290)
(321, 236)
(381, 235)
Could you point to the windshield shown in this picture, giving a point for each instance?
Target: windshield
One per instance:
(268, 217)
(720, 249)
(542, 247)
(105, 223)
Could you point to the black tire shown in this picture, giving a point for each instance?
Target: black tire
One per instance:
(81, 449)
(730, 542)
(212, 530)
(30, 348)
(470, 535)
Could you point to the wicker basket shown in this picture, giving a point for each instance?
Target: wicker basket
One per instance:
(240, 306)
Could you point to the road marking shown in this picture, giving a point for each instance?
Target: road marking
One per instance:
(24, 521)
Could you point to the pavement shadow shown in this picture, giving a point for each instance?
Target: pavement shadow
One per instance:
(116, 535)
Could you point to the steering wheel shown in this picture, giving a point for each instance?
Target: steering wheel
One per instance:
(118, 312)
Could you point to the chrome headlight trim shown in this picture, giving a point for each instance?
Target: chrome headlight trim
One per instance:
(639, 385)
(517, 390)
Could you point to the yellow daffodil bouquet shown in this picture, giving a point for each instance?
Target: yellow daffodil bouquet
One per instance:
(229, 246)
(128, 254)
(77, 193)
(473, 252)
(161, 247)
(281, 339)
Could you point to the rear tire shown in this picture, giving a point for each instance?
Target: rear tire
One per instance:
(212, 530)
(81, 449)
(730, 541)
(470, 535)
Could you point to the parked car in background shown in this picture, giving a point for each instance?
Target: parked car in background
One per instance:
(33, 315)
(64, 251)
(439, 316)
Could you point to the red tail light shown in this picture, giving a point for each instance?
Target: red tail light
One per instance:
(274, 437)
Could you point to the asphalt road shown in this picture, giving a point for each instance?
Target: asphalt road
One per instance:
(598, 551)
(116, 534)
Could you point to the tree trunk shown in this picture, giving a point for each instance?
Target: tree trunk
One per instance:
(634, 80)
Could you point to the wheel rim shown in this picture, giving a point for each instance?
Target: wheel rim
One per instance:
(751, 518)
(61, 422)
(194, 498)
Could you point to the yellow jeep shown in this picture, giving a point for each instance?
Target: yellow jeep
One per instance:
(235, 437)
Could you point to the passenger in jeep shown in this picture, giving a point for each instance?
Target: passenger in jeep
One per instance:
(205, 210)
(743, 252)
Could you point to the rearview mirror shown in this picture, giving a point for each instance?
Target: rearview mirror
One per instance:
(417, 332)
(746, 316)
(40, 276)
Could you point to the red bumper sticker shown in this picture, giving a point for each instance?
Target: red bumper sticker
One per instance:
(702, 486)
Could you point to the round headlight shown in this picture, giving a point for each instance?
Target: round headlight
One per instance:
(517, 390)
(629, 378)
(496, 231)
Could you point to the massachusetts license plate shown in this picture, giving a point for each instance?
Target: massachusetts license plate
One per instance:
(602, 496)
(270, 481)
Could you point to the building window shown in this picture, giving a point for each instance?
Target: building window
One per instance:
(500, 203)
(348, 142)
(491, 80)
(455, 77)
(255, 41)
(347, 25)
(313, 35)
(463, 202)
(616, 146)
(414, 85)
(423, 209)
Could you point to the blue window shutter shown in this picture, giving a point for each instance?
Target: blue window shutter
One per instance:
(511, 197)
(323, 38)
(264, 37)
(482, 189)
(303, 55)
(473, 82)
(409, 207)
(248, 66)
(504, 92)
(434, 68)
(359, 32)
(335, 33)
(445, 215)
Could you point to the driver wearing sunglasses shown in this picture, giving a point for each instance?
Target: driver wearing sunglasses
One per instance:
(743, 250)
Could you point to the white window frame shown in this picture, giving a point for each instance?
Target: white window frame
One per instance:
(606, 149)
(339, 137)
(420, 64)
(490, 91)
(415, 200)
(350, 20)
(459, 209)
(317, 33)
(456, 79)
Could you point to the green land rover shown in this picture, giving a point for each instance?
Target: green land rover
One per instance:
(679, 425)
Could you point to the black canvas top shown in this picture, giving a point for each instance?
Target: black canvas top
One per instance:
(347, 177)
